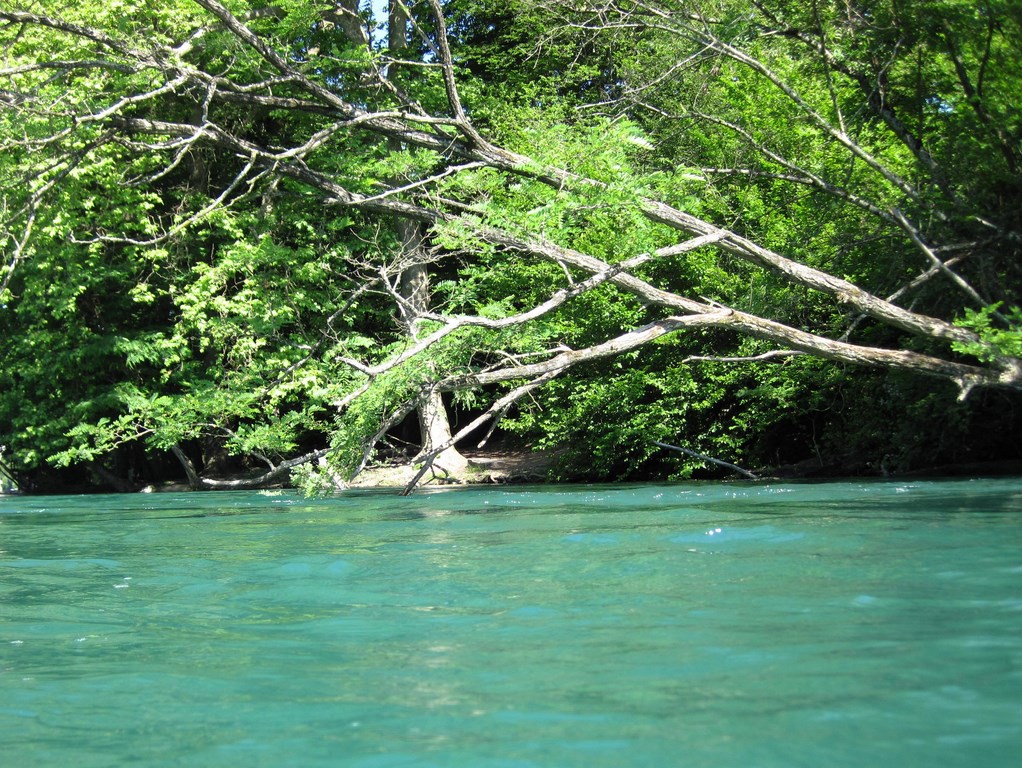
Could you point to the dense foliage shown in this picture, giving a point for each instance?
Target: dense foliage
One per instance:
(768, 233)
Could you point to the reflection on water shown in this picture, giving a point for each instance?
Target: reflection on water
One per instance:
(752, 624)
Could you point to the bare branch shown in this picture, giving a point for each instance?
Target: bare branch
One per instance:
(943, 267)
(703, 457)
(23, 17)
(799, 175)
(774, 353)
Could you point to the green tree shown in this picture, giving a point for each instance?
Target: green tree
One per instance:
(828, 132)
(201, 197)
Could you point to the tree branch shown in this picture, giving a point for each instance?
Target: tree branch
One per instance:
(703, 457)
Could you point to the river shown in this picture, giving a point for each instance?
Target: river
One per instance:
(748, 624)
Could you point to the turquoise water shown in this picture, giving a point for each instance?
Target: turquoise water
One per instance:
(838, 624)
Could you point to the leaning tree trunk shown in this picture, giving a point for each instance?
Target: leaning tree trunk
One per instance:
(434, 426)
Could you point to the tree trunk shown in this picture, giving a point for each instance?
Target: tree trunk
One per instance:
(434, 426)
(194, 481)
(436, 430)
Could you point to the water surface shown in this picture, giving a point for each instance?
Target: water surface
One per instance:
(837, 624)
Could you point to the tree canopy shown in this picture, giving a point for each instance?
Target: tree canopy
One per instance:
(256, 237)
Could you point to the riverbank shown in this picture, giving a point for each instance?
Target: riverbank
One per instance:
(498, 467)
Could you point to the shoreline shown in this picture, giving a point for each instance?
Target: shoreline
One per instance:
(528, 467)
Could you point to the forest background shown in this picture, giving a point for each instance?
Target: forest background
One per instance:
(246, 243)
